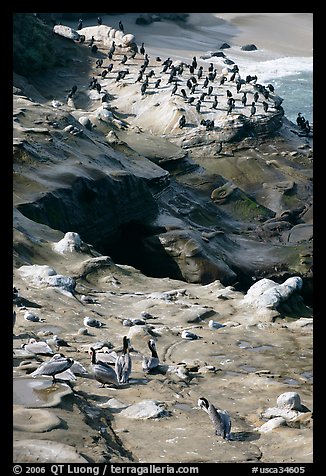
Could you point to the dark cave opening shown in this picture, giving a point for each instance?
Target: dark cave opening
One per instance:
(138, 245)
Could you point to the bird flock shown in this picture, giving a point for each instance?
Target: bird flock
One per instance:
(113, 368)
(202, 87)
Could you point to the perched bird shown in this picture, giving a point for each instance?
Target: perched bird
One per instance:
(244, 99)
(147, 315)
(184, 94)
(220, 418)
(14, 319)
(56, 103)
(103, 372)
(37, 347)
(215, 102)
(121, 26)
(87, 300)
(58, 342)
(123, 363)
(143, 88)
(174, 89)
(265, 106)
(59, 363)
(15, 293)
(142, 49)
(124, 59)
(150, 363)
(182, 121)
(157, 83)
(29, 316)
(99, 20)
(92, 322)
(188, 335)
(214, 324)
(253, 109)
(112, 49)
(219, 148)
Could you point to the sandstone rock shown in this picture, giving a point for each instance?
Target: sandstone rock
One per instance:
(45, 451)
(34, 420)
(271, 424)
(85, 121)
(289, 400)
(144, 410)
(43, 275)
(67, 32)
(70, 243)
(249, 47)
(265, 293)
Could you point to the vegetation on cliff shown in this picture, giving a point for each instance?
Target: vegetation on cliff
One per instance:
(35, 47)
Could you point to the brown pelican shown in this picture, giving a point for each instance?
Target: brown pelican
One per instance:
(123, 363)
(150, 363)
(59, 363)
(220, 418)
(103, 372)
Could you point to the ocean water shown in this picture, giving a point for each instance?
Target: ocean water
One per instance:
(296, 91)
(292, 78)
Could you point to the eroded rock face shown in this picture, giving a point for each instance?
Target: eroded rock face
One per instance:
(147, 205)
(45, 451)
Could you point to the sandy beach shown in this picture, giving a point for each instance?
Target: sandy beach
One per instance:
(277, 34)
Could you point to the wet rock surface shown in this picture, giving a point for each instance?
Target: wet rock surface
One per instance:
(169, 232)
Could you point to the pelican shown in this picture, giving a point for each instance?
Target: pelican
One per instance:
(123, 363)
(103, 372)
(150, 363)
(59, 363)
(220, 418)
(36, 347)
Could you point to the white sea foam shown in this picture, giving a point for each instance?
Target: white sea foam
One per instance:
(276, 68)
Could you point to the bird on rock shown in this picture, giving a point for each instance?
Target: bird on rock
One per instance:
(220, 418)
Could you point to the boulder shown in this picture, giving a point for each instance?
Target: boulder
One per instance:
(143, 410)
(266, 293)
(249, 47)
(67, 32)
(71, 242)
